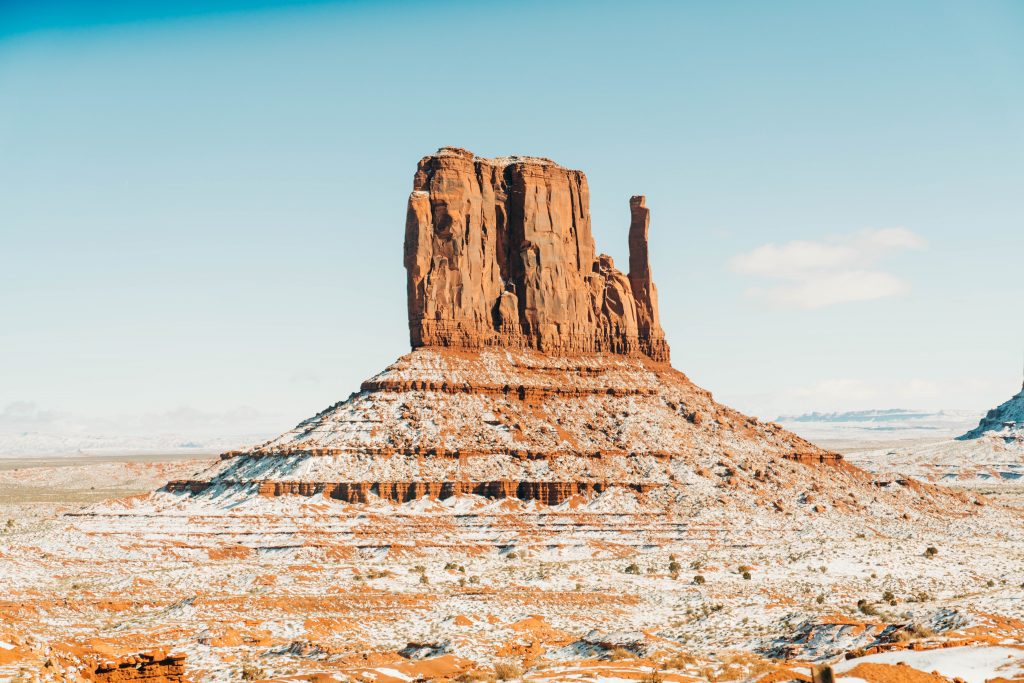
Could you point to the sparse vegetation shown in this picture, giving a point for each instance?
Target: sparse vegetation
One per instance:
(632, 568)
(913, 632)
(252, 672)
(746, 576)
(698, 580)
(653, 676)
(866, 607)
(507, 671)
(617, 653)
(931, 551)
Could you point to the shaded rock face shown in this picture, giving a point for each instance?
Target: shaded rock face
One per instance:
(1007, 420)
(499, 252)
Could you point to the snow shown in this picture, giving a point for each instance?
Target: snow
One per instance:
(971, 664)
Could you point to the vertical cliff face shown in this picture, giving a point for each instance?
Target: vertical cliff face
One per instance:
(499, 252)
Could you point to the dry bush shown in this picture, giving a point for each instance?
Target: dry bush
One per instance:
(680, 660)
(252, 672)
(653, 676)
(618, 653)
(912, 632)
(508, 671)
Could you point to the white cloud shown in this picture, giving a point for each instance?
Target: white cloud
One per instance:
(835, 270)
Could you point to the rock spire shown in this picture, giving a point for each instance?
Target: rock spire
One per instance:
(499, 253)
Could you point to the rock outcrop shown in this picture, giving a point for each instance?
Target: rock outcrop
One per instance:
(1006, 419)
(499, 252)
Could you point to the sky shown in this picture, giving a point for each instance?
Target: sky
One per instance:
(202, 203)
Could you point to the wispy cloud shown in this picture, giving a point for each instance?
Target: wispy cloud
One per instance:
(838, 269)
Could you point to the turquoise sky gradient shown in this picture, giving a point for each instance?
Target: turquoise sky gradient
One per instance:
(202, 204)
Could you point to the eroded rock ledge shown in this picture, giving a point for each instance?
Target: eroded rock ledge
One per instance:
(499, 252)
(545, 492)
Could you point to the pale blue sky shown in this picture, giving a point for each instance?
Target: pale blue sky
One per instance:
(204, 207)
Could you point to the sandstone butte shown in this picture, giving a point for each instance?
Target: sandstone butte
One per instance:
(538, 370)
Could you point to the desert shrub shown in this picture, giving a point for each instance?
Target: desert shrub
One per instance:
(450, 566)
(913, 632)
(699, 580)
(618, 653)
(888, 597)
(653, 676)
(680, 660)
(475, 677)
(419, 569)
(507, 671)
(512, 555)
(474, 579)
(820, 599)
(921, 631)
(424, 579)
(990, 583)
(866, 607)
(931, 551)
(674, 567)
(252, 672)
(632, 568)
(746, 575)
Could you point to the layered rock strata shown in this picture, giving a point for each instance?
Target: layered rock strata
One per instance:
(538, 370)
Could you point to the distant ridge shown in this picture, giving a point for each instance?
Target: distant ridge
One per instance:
(873, 415)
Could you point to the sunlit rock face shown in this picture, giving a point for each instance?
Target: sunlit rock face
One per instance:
(499, 252)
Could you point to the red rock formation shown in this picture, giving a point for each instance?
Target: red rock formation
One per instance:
(152, 667)
(499, 252)
(546, 492)
(538, 371)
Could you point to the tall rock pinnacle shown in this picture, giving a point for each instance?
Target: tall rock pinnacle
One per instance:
(499, 252)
